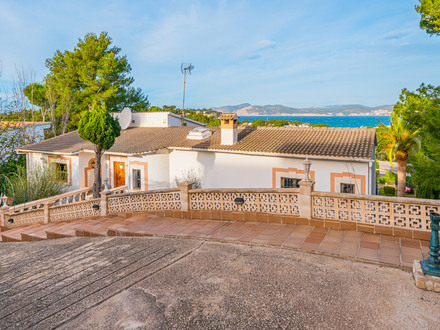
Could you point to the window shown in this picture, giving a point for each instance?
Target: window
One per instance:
(347, 188)
(290, 183)
(62, 173)
(137, 180)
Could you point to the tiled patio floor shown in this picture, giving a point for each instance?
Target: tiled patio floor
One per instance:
(375, 248)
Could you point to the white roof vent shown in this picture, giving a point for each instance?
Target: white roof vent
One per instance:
(199, 133)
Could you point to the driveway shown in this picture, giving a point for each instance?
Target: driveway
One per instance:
(166, 283)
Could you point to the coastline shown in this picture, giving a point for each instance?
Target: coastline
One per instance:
(310, 115)
(333, 121)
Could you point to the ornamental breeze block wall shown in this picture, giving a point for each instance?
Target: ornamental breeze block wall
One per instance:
(255, 200)
(405, 217)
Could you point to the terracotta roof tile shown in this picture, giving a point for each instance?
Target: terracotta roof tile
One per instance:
(319, 141)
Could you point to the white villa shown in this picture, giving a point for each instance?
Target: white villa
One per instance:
(155, 149)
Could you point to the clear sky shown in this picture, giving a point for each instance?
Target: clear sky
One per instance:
(294, 53)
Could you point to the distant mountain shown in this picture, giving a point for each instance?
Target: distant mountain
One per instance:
(247, 109)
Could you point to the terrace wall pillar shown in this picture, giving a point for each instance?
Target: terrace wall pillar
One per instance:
(104, 202)
(3, 210)
(305, 198)
(184, 195)
(46, 212)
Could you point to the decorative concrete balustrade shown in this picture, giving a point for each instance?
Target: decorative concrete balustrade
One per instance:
(405, 217)
(71, 205)
(387, 214)
(276, 201)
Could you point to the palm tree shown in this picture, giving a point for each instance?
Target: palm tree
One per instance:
(399, 142)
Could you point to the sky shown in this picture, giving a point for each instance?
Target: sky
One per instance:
(294, 53)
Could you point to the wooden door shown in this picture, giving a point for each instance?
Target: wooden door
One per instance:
(119, 168)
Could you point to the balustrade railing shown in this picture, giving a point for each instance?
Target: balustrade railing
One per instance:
(392, 212)
(160, 199)
(406, 213)
(62, 199)
(278, 201)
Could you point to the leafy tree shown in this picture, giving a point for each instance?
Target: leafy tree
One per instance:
(37, 95)
(98, 127)
(399, 141)
(129, 97)
(430, 16)
(93, 72)
(421, 109)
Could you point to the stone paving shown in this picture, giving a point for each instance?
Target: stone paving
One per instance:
(158, 283)
(374, 248)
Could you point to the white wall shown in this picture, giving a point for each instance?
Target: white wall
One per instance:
(223, 170)
(157, 119)
(158, 169)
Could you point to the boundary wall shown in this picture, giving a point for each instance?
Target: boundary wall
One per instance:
(402, 217)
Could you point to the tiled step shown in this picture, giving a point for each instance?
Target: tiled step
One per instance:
(98, 227)
(14, 235)
(65, 229)
(39, 233)
(130, 224)
(148, 226)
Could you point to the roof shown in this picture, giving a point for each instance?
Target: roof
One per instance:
(228, 116)
(314, 141)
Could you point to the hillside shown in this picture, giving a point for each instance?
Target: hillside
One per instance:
(247, 109)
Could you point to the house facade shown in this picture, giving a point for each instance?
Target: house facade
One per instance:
(155, 151)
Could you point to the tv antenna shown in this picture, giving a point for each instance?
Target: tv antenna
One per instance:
(185, 67)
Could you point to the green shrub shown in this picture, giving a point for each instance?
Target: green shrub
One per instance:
(389, 191)
(391, 177)
(41, 181)
(381, 180)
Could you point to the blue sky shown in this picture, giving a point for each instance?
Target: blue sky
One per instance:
(295, 53)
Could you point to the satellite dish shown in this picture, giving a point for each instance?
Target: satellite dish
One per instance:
(125, 118)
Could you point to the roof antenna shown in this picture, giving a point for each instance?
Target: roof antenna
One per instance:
(185, 67)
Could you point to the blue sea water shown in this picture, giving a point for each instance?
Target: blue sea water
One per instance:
(334, 121)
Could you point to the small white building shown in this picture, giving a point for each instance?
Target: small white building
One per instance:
(154, 150)
(19, 133)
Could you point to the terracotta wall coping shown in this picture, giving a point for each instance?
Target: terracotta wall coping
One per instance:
(379, 198)
(246, 190)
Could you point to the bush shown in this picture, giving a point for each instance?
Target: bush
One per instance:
(41, 181)
(391, 178)
(389, 191)
(192, 176)
(381, 180)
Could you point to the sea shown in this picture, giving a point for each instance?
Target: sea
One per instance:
(333, 121)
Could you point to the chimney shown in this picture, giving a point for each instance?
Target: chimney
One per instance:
(229, 128)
